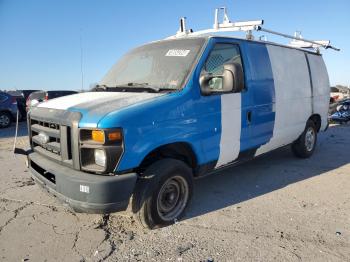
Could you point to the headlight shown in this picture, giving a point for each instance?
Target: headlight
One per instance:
(100, 157)
(100, 149)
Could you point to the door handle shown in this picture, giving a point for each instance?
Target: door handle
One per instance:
(249, 117)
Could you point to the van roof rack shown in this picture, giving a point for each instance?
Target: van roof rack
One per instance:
(249, 26)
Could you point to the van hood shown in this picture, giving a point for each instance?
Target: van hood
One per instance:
(94, 105)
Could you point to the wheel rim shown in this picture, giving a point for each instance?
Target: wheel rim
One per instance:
(310, 138)
(172, 198)
(4, 120)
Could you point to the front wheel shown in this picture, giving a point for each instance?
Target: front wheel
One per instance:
(306, 143)
(163, 193)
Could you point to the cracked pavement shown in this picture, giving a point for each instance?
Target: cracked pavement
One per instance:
(275, 208)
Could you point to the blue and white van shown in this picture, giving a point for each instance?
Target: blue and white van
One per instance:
(172, 111)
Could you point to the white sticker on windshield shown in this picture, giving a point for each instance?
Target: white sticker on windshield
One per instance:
(177, 52)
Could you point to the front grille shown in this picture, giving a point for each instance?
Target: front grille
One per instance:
(51, 139)
(46, 135)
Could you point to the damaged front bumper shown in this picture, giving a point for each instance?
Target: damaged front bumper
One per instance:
(84, 192)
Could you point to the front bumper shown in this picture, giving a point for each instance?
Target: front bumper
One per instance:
(84, 192)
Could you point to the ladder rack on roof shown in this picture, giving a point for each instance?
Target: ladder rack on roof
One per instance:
(249, 26)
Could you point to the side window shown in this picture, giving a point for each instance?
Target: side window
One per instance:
(221, 54)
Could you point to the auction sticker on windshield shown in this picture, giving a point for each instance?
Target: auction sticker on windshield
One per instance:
(177, 52)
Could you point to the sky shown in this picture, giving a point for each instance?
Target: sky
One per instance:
(41, 40)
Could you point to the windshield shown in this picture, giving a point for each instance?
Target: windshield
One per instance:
(160, 65)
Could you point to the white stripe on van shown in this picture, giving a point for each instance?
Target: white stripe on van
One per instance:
(76, 99)
(292, 96)
(230, 128)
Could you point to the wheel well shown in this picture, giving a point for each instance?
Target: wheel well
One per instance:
(317, 120)
(180, 150)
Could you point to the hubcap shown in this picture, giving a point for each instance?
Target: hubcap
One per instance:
(310, 139)
(172, 198)
(4, 120)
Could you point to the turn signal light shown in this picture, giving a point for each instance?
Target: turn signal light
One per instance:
(115, 136)
(98, 136)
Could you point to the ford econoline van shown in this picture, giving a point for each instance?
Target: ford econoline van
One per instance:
(172, 111)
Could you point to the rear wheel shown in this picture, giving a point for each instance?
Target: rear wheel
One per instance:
(162, 195)
(5, 119)
(306, 143)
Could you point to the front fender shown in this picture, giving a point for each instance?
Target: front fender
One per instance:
(140, 142)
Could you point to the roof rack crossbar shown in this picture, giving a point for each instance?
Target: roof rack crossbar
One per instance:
(322, 43)
(249, 27)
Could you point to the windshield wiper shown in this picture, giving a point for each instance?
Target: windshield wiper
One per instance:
(100, 87)
(132, 86)
(143, 86)
(147, 86)
(137, 84)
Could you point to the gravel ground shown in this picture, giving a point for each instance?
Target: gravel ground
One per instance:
(275, 208)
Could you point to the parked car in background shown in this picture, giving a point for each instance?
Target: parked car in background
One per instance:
(21, 97)
(24, 93)
(8, 109)
(40, 96)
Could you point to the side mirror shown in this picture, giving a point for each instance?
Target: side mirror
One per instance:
(232, 80)
(210, 84)
(235, 74)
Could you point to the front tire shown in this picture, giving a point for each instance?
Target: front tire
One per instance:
(163, 193)
(304, 147)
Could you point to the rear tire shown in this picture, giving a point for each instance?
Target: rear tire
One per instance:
(306, 143)
(163, 193)
(5, 119)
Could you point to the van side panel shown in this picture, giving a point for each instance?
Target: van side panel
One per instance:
(260, 87)
(321, 88)
(293, 95)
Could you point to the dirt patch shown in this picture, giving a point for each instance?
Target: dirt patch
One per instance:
(276, 207)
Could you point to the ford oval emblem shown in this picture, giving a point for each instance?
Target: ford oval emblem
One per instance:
(43, 138)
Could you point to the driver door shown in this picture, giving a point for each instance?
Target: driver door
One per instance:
(230, 103)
